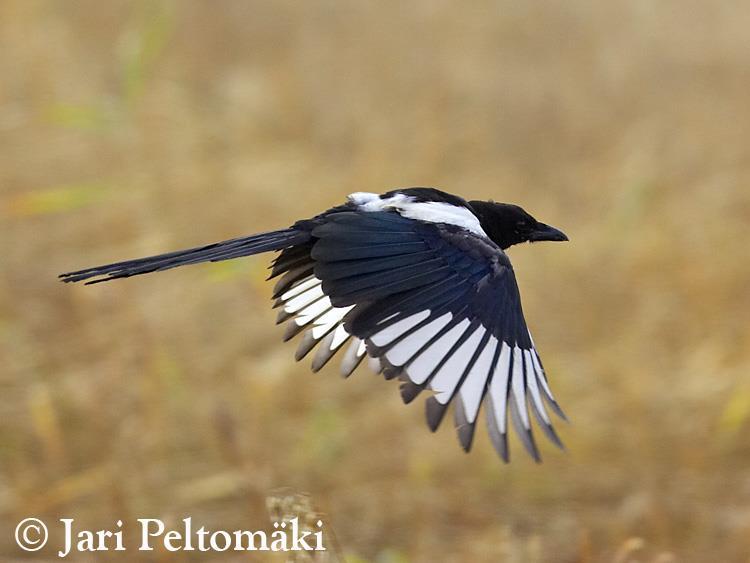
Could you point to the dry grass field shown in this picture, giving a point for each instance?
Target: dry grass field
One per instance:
(133, 127)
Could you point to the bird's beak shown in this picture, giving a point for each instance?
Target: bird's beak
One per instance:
(545, 232)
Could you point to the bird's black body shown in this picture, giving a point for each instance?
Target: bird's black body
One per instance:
(416, 279)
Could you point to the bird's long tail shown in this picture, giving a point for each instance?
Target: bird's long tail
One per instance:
(225, 250)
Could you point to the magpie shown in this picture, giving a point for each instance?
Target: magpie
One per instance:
(417, 280)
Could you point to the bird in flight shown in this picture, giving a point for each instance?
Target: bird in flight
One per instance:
(417, 280)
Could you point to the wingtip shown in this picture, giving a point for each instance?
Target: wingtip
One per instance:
(464, 428)
(524, 432)
(292, 330)
(549, 431)
(466, 436)
(435, 412)
(307, 343)
(283, 316)
(503, 449)
(558, 411)
(410, 391)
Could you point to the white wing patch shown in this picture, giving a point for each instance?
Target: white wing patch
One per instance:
(428, 353)
(445, 381)
(329, 321)
(533, 385)
(404, 350)
(399, 328)
(353, 356)
(515, 381)
(473, 388)
(300, 287)
(312, 308)
(499, 387)
(302, 299)
(313, 312)
(424, 364)
(518, 386)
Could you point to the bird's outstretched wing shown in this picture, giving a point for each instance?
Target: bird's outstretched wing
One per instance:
(432, 304)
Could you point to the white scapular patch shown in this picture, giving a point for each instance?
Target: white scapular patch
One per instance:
(472, 389)
(499, 387)
(402, 352)
(449, 374)
(421, 368)
(519, 389)
(440, 212)
(390, 333)
(361, 199)
(427, 211)
(367, 201)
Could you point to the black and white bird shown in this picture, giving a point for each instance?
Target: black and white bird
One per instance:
(418, 281)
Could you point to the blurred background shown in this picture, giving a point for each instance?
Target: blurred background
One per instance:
(135, 127)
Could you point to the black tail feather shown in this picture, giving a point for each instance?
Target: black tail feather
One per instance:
(225, 250)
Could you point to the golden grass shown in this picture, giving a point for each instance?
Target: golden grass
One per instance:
(130, 128)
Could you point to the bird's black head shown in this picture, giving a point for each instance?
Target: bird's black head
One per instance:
(508, 224)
